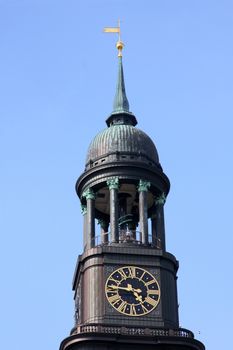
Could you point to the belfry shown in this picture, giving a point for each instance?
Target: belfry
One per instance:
(124, 283)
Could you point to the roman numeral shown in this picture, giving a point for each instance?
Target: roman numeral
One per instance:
(150, 301)
(112, 280)
(132, 271)
(110, 289)
(149, 283)
(122, 306)
(132, 310)
(144, 308)
(122, 273)
(113, 299)
(153, 291)
(142, 276)
(111, 286)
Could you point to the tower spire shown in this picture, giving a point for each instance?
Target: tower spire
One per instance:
(121, 103)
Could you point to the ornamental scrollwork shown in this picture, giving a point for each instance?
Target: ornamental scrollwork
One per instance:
(161, 199)
(113, 183)
(89, 193)
(143, 186)
(83, 209)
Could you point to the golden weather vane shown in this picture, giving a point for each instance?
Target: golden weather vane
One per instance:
(119, 43)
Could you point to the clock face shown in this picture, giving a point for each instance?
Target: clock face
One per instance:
(132, 291)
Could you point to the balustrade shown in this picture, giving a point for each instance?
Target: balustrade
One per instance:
(125, 236)
(156, 332)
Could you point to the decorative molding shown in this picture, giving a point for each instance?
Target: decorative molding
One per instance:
(113, 183)
(160, 200)
(83, 209)
(130, 330)
(143, 186)
(88, 193)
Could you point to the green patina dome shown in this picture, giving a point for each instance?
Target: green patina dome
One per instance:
(121, 142)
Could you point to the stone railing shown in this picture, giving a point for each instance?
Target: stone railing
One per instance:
(150, 332)
(125, 236)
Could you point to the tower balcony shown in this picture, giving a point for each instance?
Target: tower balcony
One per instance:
(135, 331)
(106, 337)
(128, 237)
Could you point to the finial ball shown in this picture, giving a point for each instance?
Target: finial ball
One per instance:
(119, 45)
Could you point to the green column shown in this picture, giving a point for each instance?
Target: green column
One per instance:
(90, 220)
(159, 222)
(113, 185)
(143, 216)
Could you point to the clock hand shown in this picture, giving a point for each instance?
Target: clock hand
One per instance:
(133, 289)
(129, 288)
(123, 288)
(135, 292)
(138, 297)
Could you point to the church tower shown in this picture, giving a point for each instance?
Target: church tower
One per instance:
(124, 283)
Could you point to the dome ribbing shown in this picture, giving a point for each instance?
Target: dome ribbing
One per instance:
(122, 142)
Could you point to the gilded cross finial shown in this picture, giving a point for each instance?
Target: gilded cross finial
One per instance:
(119, 44)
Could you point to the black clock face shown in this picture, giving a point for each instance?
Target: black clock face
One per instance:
(132, 291)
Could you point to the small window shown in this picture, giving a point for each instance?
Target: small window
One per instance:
(102, 160)
(95, 163)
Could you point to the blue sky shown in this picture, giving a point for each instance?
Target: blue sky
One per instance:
(58, 75)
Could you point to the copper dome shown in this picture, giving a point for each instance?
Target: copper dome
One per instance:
(121, 142)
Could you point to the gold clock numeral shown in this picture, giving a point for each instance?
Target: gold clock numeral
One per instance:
(144, 308)
(132, 311)
(122, 273)
(153, 292)
(110, 288)
(142, 276)
(150, 301)
(122, 306)
(132, 272)
(149, 283)
(113, 299)
(112, 281)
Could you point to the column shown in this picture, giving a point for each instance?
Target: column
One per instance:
(159, 223)
(90, 219)
(113, 185)
(153, 229)
(84, 212)
(143, 219)
(104, 230)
